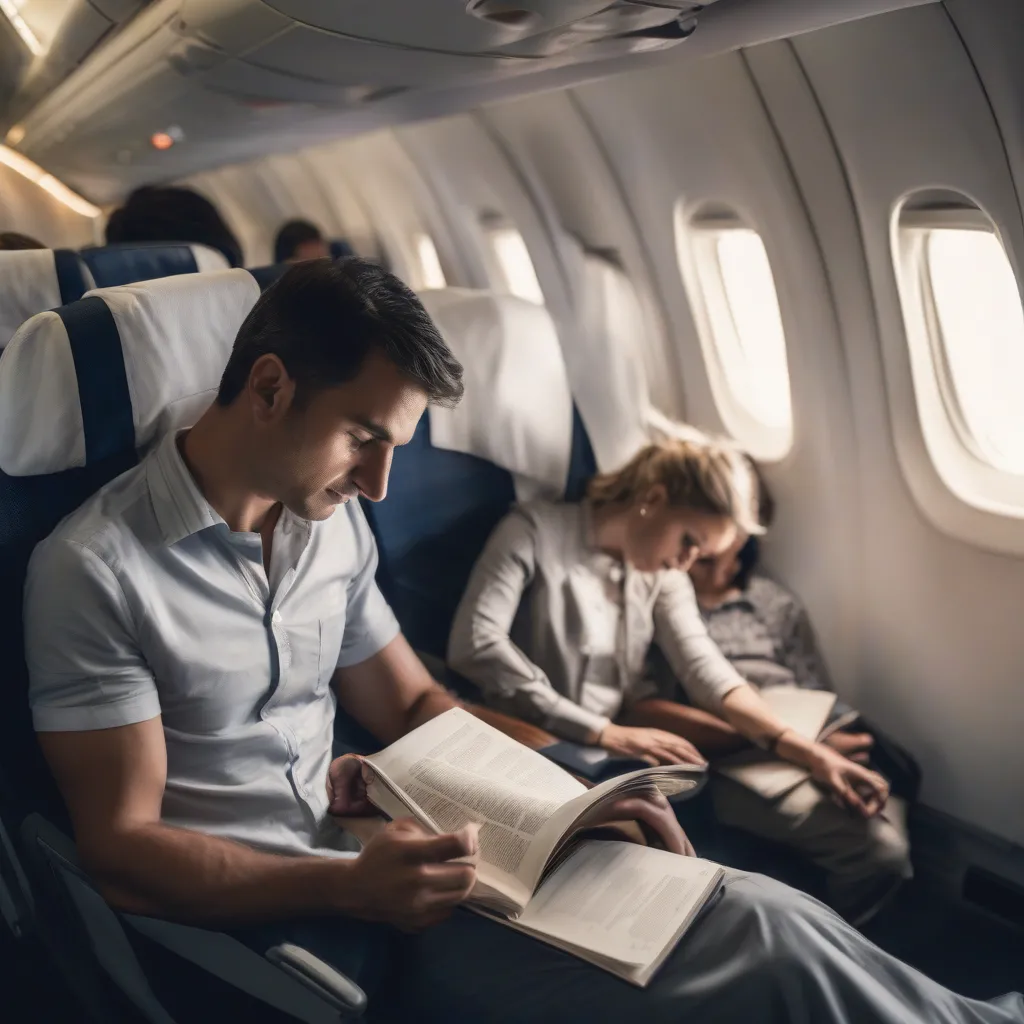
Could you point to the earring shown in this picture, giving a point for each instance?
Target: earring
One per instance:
(643, 510)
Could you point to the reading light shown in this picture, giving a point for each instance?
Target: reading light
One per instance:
(161, 140)
(27, 169)
(16, 134)
(28, 37)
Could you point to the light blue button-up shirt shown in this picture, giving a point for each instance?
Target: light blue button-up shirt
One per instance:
(143, 603)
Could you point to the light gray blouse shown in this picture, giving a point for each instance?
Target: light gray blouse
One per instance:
(558, 633)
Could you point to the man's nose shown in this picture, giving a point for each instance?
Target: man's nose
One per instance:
(371, 475)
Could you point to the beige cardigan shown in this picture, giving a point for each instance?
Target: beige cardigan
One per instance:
(521, 630)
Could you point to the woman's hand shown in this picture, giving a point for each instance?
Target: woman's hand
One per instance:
(850, 784)
(655, 746)
(655, 813)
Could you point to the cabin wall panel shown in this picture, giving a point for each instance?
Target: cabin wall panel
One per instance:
(31, 210)
(699, 132)
(551, 136)
(942, 647)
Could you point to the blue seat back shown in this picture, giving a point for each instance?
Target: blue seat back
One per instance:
(266, 276)
(340, 249)
(440, 509)
(32, 505)
(112, 265)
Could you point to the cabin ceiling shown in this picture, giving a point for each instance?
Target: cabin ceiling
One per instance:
(229, 80)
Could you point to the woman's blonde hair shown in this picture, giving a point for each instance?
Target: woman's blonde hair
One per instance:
(697, 473)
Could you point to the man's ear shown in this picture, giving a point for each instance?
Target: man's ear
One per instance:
(271, 390)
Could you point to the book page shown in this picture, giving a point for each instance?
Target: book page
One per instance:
(591, 808)
(458, 769)
(620, 901)
(803, 711)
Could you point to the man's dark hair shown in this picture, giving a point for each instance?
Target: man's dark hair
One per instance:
(170, 213)
(15, 240)
(321, 319)
(291, 236)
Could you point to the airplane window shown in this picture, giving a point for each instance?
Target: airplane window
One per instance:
(733, 292)
(979, 323)
(516, 266)
(431, 272)
(757, 362)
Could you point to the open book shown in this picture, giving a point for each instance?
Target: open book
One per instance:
(619, 905)
(805, 712)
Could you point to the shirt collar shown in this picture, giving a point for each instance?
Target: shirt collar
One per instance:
(179, 505)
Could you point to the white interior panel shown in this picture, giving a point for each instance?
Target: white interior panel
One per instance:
(941, 631)
(724, 151)
(551, 135)
(31, 210)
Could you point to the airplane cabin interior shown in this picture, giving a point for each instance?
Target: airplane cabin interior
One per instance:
(792, 226)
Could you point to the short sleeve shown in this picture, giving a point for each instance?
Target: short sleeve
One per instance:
(370, 624)
(85, 668)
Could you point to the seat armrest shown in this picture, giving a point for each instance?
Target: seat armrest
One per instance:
(293, 981)
(322, 977)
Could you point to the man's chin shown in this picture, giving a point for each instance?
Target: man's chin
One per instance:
(315, 510)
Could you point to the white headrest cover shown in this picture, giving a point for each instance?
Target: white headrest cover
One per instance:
(517, 410)
(28, 285)
(176, 335)
(208, 259)
(610, 383)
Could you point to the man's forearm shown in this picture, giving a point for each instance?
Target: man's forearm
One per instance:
(431, 703)
(188, 876)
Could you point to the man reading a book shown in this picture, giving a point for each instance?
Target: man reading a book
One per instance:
(190, 632)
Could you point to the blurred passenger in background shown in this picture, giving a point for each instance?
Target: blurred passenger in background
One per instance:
(172, 213)
(299, 240)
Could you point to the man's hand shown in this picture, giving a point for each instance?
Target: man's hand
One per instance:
(854, 745)
(655, 746)
(409, 878)
(655, 813)
(346, 788)
(850, 784)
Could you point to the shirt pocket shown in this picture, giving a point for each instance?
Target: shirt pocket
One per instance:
(332, 632)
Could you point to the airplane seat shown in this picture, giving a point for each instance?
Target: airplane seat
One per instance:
(32, 280)
(91, 385)
(127, 262)
(340, 249)
(509, 438)
(440, 509)
(609, 378)
(266, 276)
